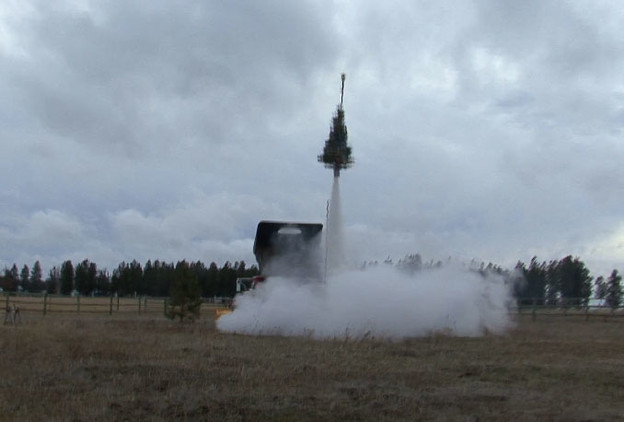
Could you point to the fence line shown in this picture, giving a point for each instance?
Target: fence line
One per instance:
(48, 303)
(566, 307)
(82, 304)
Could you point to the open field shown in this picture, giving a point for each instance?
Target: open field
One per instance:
(84, 367)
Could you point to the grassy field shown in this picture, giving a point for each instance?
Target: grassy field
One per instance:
(87, 367)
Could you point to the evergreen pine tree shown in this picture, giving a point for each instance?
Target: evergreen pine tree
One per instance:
(36, 278)
(185, 296)
(575, 281)
(24, 280)
(102, 282)
(53, 282)
(614, 290)
(67, 277)
(600, 288)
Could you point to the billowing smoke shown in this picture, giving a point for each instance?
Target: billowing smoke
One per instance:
(334, 233)
(381, 302)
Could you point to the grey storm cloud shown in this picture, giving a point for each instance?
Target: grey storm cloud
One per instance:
(148, 74)
(143, 130)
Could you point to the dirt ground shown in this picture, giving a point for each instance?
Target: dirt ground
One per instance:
(146, 368)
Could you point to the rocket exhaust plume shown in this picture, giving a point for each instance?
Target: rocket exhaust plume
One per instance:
(335, 255)
(380, 302)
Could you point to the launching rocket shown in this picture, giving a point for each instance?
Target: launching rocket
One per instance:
(337, 153)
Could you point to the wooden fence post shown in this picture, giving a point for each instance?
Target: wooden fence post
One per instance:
(78, 303)
(45, 304)
(110, 309)
(139, 305)
(117, 303)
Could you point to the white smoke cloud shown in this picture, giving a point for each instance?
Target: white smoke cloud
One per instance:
(381, 302)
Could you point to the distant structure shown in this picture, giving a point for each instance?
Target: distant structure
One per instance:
(337, 153)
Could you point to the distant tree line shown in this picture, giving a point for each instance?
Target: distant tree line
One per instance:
(155, 278)
(564, 282)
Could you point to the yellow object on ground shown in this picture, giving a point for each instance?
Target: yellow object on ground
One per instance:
(221, 312)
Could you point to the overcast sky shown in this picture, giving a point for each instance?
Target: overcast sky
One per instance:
(156, 129)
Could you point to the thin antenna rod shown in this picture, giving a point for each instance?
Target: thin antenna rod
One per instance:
(343, 76)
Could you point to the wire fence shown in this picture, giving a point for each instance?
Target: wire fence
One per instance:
(567, 307)
(47, 303)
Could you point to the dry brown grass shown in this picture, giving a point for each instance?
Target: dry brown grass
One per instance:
(130, 368)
